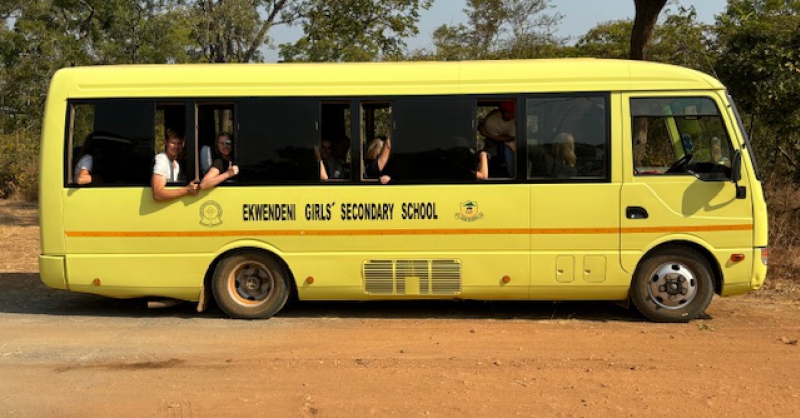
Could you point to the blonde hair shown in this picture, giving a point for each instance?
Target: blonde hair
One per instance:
(374, 148)
(564, 148)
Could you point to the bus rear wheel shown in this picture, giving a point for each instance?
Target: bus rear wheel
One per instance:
(673, 285)
(250, 285)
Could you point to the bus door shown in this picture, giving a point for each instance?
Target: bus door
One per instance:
(677, 180)
(574, 202)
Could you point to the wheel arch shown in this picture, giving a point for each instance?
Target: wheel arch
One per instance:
(246, 246)
(716, 270)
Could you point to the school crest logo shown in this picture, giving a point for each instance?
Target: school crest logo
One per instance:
(210, 214)
(468, 212)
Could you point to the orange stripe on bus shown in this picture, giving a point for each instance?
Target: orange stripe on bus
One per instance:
(373, 232)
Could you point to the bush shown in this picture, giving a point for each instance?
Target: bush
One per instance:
(19, 166)
(783, 203)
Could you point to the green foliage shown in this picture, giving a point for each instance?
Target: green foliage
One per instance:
(235, 30)
(679, 39)
(19, 166)
(500, 29)
(46, 35)
(354, 30)
(607, 40)
(758, 43)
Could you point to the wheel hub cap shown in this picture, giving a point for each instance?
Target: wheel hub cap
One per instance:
(672, 286)
(253, 282)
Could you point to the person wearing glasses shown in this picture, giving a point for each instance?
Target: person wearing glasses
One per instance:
(167, 169)
(222, 168)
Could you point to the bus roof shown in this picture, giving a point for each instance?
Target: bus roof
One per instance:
(377, 79)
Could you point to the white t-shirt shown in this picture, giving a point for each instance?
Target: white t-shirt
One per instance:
(495, 125)
(163, 167)
(85, 162)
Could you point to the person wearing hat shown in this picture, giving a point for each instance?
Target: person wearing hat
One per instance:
(500, 127)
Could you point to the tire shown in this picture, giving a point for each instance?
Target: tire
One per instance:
(250, 285)
(673, 285)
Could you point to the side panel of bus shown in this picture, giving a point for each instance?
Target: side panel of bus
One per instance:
(135, 246)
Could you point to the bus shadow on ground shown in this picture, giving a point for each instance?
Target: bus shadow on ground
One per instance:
(24, 293)
(19, 214)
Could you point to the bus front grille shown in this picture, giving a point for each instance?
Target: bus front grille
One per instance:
(412, 277)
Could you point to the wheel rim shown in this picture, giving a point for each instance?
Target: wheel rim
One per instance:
(672, 286)
(251, 283)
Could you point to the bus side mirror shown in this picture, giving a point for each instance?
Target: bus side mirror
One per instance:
(736, 167)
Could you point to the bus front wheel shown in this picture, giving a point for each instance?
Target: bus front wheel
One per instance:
(673, 285)
(250, 285)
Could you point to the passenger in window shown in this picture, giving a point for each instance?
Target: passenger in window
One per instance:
(83, 169)
(465, 162)
(482, 173)
(167, 169)
(564, 152)
(223, 167)
(376, 157)
(331, 167)
(500, 128)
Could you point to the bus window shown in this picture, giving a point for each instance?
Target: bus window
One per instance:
(172, 116)
(376, 141)
(431, 139)
(276, 141)
(119, 138)
(679, 136)
(497, 123)
(334, 143)
(567, 137)
(213, 119)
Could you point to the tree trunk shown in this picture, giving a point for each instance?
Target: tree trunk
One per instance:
(647, 12)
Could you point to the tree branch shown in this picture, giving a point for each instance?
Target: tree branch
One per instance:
(279, 6)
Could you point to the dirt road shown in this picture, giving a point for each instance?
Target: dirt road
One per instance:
(73, 355)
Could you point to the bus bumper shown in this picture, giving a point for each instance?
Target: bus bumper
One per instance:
(52, 272)
(761, 256)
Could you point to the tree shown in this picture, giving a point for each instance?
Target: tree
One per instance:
(678, 39)
(607, 40)
(757, 42)
(235, 30)
(41, 36)
(647, 12)
(499, 29)
(354, 30)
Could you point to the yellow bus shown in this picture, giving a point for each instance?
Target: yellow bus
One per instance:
(567, 179)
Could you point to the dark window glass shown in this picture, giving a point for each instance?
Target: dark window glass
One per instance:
(275, 141)
(119, 137)
(334, 145)
(567, 137)
(433, 139)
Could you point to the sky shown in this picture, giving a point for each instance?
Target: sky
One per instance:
(578, 17)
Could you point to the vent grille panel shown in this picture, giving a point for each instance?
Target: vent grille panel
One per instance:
(436, 277)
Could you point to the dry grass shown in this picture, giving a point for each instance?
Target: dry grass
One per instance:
(19, 237)
(783, 201)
